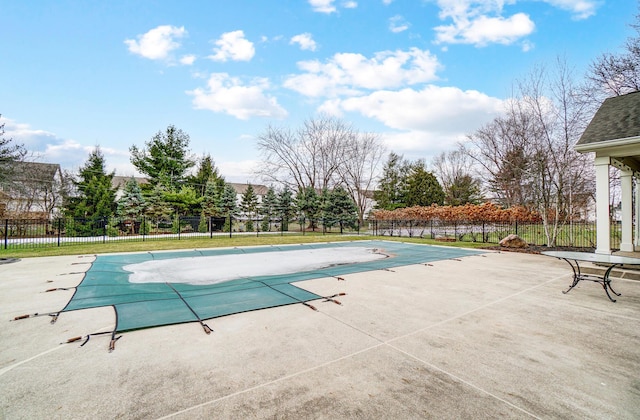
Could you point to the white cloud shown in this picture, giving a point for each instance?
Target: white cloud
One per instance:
(305, 41)
(484, 30)
(233, 46)
(581, 9)
(480, 22)
(158, 43)
(387, 2)
(323, 6)
(433, 117)
(239, 171)
(45, 146)
(350, 4)
(398, 24)
(188, 60)
(225, 94)
(349, 73)
(435, 109)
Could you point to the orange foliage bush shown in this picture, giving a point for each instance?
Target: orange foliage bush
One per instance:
(486, 212)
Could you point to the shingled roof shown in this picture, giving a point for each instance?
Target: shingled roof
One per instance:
(618, 118)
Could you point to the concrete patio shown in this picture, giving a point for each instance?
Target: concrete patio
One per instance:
(488, 336)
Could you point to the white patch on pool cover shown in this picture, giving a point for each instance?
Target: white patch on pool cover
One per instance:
(216, 269)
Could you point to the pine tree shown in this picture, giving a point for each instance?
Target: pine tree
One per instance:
(157, 206)
(249, 206)
(212, 197)
(391, 191)
(132, 204)
(285, 207)
(423, 188)
(308, 203)
(228, 205)
(165, 159)
(339, 208)
(268, 209)
(207, 172)
(95, 197)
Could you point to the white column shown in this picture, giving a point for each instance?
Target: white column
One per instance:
(626, 185)
(636, 236)
(603, 228)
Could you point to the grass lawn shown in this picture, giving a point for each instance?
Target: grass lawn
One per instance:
(188, 243)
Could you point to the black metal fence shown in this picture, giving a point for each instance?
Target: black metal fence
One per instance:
(23, 233)
(571, 234)
(28, 233)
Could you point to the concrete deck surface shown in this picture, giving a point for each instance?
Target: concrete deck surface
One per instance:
(488, 336)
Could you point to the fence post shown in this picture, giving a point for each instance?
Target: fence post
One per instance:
(230, 224)
(6, 233)
(144, 226)
(516, 227)
(483, 240)
(104, 230)
(59, 229)
(210, 227)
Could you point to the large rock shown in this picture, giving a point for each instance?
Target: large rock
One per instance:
(513, 241)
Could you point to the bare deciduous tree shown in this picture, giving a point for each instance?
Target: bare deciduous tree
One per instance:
(323, 153)
(528, 153)
(362, 157)
(617, 74)
(307, 157)
(454, 170)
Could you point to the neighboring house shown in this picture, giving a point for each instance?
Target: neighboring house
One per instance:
(32, 190)
(614, 136)
(259, 190)
(118, 183)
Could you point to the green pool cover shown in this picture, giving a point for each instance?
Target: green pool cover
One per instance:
(143, 305)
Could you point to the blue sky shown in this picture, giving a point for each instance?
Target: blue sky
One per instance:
(421, 73)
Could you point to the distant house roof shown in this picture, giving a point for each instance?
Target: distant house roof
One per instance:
(242, 188)
(120, 181)
(617, 119)
(32, 171)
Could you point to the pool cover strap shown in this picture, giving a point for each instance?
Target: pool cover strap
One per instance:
(205, 327)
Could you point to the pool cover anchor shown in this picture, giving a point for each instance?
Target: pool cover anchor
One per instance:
(330, 298)
(54, 316)
(54, 289)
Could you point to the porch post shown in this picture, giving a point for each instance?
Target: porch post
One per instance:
(626, 185)
(603, 228)
(636, 236)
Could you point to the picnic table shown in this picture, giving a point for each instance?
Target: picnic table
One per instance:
(573, 259)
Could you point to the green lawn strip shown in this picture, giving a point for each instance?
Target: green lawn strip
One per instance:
(201, 243)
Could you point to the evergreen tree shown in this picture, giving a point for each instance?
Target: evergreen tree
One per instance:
(95, 197)
(339, 208)
(268, 209)
(464, 189)
(207, 172)
(132, 204)
(156, 205)
(165, 159)
(249, 206)
(184, 201)
(228, 204)
(285, 207)
(392, 187)
(423, 188)
(212, 197)
(308, 203)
